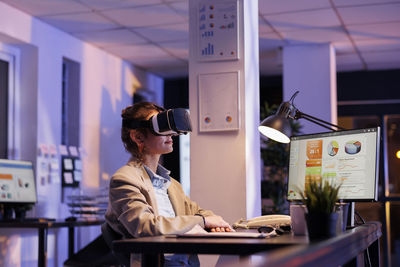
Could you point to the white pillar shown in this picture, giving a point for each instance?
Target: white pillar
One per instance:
(225, 165)
(311, 69)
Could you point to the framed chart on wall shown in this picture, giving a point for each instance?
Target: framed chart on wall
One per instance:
(218, 31)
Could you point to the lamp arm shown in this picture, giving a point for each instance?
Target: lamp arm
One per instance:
(315, 120)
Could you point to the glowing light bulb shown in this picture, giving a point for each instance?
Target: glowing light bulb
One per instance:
(398, 154)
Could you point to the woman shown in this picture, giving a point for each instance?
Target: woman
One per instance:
(143, 199)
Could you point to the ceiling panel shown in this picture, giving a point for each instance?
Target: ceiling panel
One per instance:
(178, 49)
(378, 45)
(145, 16)
(303, 20)
(348, 62)
(386, 31)
(370, 13)
(153, 34)
(173, 1)
(381, 57)
(325, 35)
(79, 22)
(340, 3)
(138, 51)
(181, 8)
(282, 6)
(109, 38)
(264, 27)
(47, 7)
(345, 47)
(107, 4)
(162, 33)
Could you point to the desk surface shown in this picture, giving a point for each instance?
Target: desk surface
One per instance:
(237, 246)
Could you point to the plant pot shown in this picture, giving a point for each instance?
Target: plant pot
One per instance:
(321, 225)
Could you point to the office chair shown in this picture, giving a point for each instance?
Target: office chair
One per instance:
(96, 254)
(109, 236)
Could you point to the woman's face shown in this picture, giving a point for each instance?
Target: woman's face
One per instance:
(154, 144)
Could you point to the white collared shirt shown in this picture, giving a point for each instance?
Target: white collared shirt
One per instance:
(161, 181)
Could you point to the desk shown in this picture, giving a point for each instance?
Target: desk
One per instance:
(341, 250)
(149, 247)
(43, 228)
(351, 243)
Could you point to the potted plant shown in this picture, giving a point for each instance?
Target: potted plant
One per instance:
(320, 197)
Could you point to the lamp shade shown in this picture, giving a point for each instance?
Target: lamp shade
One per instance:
(277, 128)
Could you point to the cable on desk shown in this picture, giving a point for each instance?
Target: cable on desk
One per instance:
(367, 250)
(359, 216)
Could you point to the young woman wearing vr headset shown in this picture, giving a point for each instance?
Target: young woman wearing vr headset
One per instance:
(143, 199)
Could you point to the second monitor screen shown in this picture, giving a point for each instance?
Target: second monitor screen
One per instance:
(348, 158)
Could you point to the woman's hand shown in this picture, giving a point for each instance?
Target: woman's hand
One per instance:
(217, 224)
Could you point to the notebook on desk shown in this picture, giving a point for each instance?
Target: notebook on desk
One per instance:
(227, 235)
(197, 231)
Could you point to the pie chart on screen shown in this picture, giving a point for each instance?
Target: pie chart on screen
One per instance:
(352, 147)
(333, 148)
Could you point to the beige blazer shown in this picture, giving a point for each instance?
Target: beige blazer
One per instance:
(132, 209)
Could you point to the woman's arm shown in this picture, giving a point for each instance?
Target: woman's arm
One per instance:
(130, 202)
(211, 221)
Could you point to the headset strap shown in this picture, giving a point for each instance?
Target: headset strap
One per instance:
(135, 124)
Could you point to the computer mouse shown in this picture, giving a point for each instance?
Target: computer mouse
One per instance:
(265, 229)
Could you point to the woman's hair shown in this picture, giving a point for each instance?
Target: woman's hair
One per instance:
(139, 111)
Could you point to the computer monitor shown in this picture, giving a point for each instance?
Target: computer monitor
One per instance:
(347, 157)
(17, 182)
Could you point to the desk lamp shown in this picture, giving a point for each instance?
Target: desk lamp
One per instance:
(277, 126)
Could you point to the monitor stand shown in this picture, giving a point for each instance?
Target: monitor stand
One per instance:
(350, 214)
(7, 212)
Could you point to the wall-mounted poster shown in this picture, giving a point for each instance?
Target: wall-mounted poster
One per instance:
(219, 101)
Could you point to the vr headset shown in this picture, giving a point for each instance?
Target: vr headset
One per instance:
(168, 122)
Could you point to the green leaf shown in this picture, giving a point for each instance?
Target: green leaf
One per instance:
(320, 196)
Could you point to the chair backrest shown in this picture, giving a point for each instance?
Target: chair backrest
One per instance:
(109, 236)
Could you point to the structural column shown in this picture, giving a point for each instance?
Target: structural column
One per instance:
(224, 107)
(311, 69)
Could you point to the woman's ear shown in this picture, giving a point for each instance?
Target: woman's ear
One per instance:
(137, 137)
